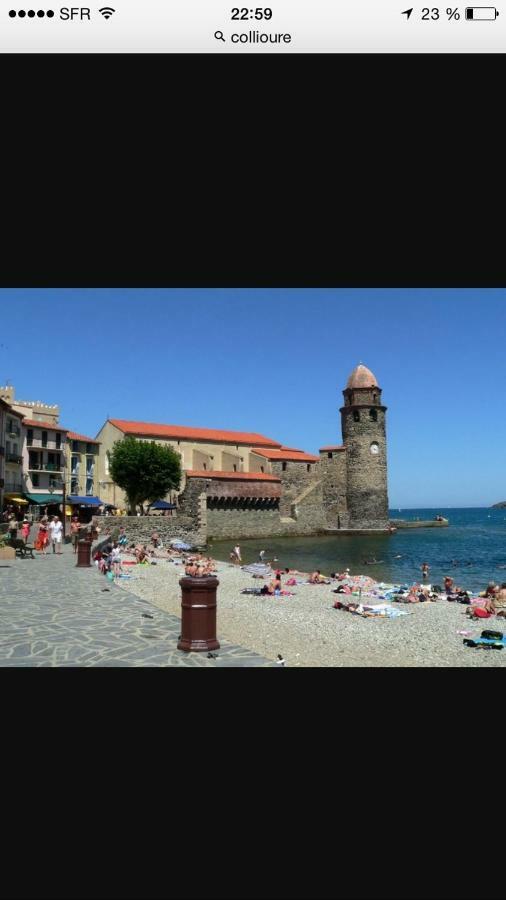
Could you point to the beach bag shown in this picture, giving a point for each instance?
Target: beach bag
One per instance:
(493, 635)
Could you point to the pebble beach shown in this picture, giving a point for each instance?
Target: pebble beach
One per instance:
(308, 632)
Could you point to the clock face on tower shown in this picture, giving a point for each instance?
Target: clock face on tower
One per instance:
(374, 449)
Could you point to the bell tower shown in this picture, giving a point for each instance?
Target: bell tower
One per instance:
(364, 436)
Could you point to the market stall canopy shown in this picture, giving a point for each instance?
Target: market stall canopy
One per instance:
(14, 498)
(45, 499)
(74, 500)
(162, 504)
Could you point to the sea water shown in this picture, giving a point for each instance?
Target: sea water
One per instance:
(472, 549)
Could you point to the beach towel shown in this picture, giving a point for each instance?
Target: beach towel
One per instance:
(494, 644)
(257, 569)
(384, 610)
(180, 545)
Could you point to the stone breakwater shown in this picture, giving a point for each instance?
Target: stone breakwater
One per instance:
(307, 631)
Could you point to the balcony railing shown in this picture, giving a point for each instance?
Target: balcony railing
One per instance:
(15, 431)
(14, 458)
(45, 467)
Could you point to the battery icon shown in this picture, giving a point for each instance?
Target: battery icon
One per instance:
(481, 13)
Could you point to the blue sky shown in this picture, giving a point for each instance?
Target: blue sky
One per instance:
(275, 362)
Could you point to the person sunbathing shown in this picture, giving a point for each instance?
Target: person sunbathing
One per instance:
(482, 612)
(500, 599)
(491, 590)
(318, 578)
(272, 587)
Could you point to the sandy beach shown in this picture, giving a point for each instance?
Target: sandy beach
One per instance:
(307, 631)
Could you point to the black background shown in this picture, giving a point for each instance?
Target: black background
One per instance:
(291, 171)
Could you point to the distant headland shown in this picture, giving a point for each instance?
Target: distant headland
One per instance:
(499, 505)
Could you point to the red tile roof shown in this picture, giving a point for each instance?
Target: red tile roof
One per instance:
(81, 437)
(184, 432)
(238, 476)
(284, 454)
(339, 447)
(47, 426)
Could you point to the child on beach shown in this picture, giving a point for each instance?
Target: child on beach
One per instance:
(116, 560)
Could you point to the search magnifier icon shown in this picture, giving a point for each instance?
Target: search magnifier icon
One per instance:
(219, 36)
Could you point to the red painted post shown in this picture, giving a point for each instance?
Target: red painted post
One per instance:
(198, 614)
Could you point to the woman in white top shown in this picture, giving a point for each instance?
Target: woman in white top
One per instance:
(56, 529)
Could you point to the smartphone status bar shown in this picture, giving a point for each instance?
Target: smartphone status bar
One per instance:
(282, 26)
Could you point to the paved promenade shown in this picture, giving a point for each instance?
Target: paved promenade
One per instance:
(54, 614)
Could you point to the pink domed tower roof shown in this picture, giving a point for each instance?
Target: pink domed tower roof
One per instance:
(361, 377)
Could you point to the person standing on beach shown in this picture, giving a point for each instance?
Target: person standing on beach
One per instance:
(261, 556)
(425, 570)
(237, 553)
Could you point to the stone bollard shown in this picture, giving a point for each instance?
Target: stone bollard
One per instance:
(84, 553)
(198, 614)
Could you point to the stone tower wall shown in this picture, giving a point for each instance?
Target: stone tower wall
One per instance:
(366, 474)
(333, 476)
(295, 479)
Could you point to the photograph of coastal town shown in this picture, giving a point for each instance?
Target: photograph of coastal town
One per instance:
(252, 477)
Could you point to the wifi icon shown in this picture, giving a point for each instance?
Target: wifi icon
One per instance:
(107, 11)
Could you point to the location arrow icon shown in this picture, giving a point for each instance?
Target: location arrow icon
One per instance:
(407, 12)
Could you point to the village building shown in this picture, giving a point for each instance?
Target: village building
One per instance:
(81, 465)
(30, 409)
(200, 449)
(44, 464)
(12, 456)
(242, 484)
(11, 468)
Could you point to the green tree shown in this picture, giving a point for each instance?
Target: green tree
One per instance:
(146, 471)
